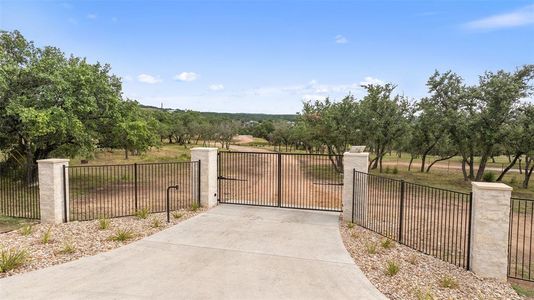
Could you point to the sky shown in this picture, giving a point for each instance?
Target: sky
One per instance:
(269, 56)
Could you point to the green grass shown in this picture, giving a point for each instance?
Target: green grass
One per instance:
(68, 248)
(194, 207)
(47, 236)
(177, 214)
(11, 259)
(448, 282)
(103, 223)
(142, 213)
(324, 172)
(122, 235)
(392, 268)
(523, 290)
(371, 248)
(387, 243)
(10, 224)
(26, 230)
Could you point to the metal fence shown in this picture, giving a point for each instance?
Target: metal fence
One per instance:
(122, 190)
(431, 220)
(288, 180)
(19, 193)
(520, 250)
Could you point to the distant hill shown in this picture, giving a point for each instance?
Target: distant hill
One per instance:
(236, 116)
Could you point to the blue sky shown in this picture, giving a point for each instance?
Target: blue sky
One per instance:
(269, 56)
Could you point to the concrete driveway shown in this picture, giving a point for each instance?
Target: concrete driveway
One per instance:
(229, 252)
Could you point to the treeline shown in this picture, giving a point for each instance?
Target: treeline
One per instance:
(471, 121)
(53, 105)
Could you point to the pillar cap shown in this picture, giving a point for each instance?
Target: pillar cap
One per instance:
(497, 186)
(204, 149)
(53, 161)
(356, 154)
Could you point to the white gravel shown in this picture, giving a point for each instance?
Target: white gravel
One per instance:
(85, 236)
(420, 275)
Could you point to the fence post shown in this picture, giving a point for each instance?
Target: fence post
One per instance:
(279, 179)
(53, 190)
(135, 186)
(490, 218)
(354, 160)
(401, 213)
(208, 174)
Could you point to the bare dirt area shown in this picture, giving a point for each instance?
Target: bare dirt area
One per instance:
(418, 276)
(73, 240)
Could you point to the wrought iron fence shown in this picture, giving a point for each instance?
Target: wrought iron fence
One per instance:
(431, 220)
(288, 180)
(122, 190)
(520, 252)
(19, 193)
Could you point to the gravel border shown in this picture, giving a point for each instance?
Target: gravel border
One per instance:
(85, 236)
(420, 276)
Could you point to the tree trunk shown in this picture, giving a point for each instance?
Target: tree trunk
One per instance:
(410, 164)
(528, 172)
(464, 171)
(125, 153)
(510, 165)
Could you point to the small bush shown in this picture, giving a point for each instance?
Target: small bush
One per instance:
(194, 207)
(489, 177)
(142, 213)
(68, 248)
(103, 223)
(156, 223)
(448, 282)
(122, 235)
(47, 236)
(371, 248)
(26, 230)
(177, 215)
(395, 170)
(11, 259)
(350, 225)
(392, 268)
(388, 170)
(420, 295)
(387, 243)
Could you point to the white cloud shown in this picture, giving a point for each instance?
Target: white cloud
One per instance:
(216, 87)
(145, 78)
(91, 16)
(370, 80)
(341, 39)
(521, 17)
(187, 76)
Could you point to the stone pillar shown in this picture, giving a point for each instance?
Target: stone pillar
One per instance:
(358, 161)
(490, 218)
(53, 194)
(208, 174)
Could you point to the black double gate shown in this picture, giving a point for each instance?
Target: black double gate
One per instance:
(288, 180)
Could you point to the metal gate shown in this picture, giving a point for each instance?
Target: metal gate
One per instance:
(288, 180)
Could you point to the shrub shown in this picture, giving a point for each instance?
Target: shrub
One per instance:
(388, 170)
(489, 177)
(448, 282)
(103, 223)
(68, 248)
(392, 268)
(156, 223)
(47, 236)
(177, 215)
(26, 230)
(423, 295)
(350, 225)
(122, 235)
(395, 170)
(194, 207)
(371, 248)
(387, 243)
(11, 259)
(142, 213)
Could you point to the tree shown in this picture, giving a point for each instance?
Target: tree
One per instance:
(52, 105)
(334, 125)
(383, 119)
